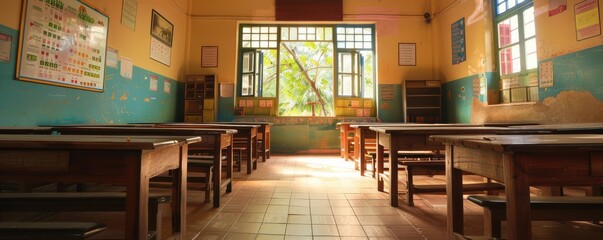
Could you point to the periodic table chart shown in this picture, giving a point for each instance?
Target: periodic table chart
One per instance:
(64, 43)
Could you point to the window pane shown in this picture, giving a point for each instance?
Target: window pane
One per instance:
(264, 29)
(346, 85)
(255, 30)
(246, 44)
(531, 56)
(511, 4)
(328, 34)
(508, 32)
(285, 33)
(346, 62)
(273, 29)
(246, 36)
(528, 23)
(246, 29)
(247, 62)
(340, 30)
(272, 44)
(501, 8)
(509, 60)
(320, 34)
(247, 85)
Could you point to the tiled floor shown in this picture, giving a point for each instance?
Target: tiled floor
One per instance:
(323, 197)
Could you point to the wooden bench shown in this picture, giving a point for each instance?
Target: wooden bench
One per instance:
(427, 163)
(49, 230)
(559, 208)
(83, 202)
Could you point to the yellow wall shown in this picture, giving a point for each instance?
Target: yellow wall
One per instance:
(214, 23)
(478, 32)
(134, 45)
(555, 36)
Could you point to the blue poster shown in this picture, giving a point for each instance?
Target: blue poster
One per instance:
(458, 41)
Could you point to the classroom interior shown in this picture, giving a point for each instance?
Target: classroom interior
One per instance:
(453, 44)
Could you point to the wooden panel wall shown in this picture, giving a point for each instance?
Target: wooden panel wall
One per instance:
(309, 10)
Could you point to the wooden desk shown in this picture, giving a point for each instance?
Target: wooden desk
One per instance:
(214, 140)
(263, 134)
(567, 128)
(344, 138)
(25, 130)
(362, 133)
(519, 161)
(416, 139)
(246, 132)
(129, 161)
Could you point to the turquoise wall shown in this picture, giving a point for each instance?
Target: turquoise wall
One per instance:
(457, 95)
(124, 100)
(391, 108)
(580, 71)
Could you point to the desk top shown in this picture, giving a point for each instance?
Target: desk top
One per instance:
(25, 130)
(567, 127)
(521, 142)
(168, 131)
(243, 123)
(443, 130)
(92, 141)
(208, 125)
(382, 124)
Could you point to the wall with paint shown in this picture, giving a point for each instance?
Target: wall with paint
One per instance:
(124, 100)
(576, 93)
(215, 23)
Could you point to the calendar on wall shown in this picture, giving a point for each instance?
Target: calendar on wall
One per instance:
(63, 43)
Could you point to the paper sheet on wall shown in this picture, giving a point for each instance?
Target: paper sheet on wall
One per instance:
(6, 42)
(546, 74)
(126, 68)
(112, 56)
(166, 86)
(153, 81)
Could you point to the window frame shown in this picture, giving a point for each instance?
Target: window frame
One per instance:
(524, 73)
(363, 39)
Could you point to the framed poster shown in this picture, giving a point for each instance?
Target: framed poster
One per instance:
(587, 19)
(458, 41)
(63, 43)
(407, 54)
(161, 28)
(209, 56)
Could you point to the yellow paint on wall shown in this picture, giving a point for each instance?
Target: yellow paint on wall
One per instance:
(11, 18)
(147, 99)
(124, 96)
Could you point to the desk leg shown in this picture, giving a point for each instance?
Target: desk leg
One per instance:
(217, 175)
(518, 198)
(379, 163)
(249, 155)
(454, 192)
(362, 151)
(229, 166)
(179, 194)
(393, 174)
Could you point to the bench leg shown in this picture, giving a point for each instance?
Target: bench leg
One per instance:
(208, 183)
(409, 186)
(492, 223)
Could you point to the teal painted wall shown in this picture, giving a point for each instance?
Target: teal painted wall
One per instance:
(458, 94)
(124, 100)
(391, 108)
(580, 71)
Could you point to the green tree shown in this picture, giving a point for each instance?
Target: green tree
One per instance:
(306, 78)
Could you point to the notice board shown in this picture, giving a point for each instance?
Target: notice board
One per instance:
(63, 43)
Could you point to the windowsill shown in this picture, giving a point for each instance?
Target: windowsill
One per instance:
(512, 104)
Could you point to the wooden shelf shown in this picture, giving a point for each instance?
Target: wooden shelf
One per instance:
(422, 101)
(199, 98)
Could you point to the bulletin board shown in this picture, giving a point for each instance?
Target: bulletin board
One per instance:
(63, 43)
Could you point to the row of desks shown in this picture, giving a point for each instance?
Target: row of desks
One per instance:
(128, 155)
(518, 156)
